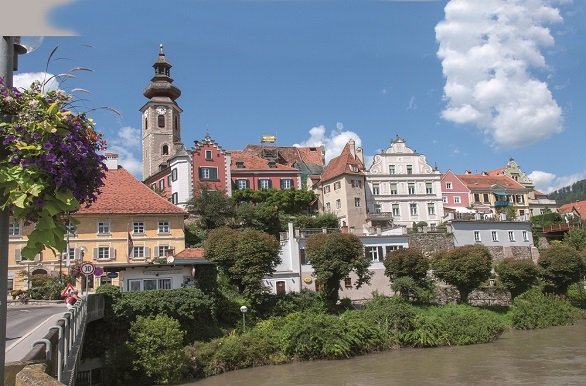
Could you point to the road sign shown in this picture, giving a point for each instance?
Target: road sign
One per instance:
(99, 271)
(112, 275)
(68, 290)
(87, 268)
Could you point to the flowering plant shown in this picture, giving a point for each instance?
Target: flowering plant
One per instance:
(49, 162)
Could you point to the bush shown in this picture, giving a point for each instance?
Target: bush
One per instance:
(392, 315)
(534, 309)
(305, 300)
(560, 266)
(517, 275)
(407, 262)
(45, 287)
(411, 291)
(157, 343)
(577, 295)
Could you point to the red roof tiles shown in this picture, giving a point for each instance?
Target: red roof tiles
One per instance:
(342, 164)
(124, 194)
(479, 181)
(191, 253)
(579, 206)
(251, 161)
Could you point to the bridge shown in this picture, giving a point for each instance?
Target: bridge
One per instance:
(54, 359)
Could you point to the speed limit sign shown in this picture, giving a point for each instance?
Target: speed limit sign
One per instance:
(87, 268)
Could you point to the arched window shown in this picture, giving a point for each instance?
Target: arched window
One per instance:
(161, 120)
(165, 150)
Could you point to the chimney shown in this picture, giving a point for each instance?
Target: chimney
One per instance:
(111, 161)
(467, 172)
(352, 146)
(360, 155)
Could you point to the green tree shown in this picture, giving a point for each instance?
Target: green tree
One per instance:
(576, 238)
(284, 201)
(212, 208)
(517, 275)
(333, 256)
(561, 266)
(157, 344)
(407, 269)
(244, 256)
(463, 267)
(262, 217)
(322, 220)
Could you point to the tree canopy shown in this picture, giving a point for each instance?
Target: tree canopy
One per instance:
(517, 275)
(561, 266)
(244, 257)
(576, 238)
(463, 267)
(333, 256)
(212, 208)
(407, 269)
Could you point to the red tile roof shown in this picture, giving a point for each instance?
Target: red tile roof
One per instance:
(479, 181)
(341, 165)
(254, 162)
(124, 194)
(497, 172)
(191, 253)
(313, 155)
(580, 207)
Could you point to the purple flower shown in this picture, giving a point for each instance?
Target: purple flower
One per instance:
(48, 146)
(8, 139)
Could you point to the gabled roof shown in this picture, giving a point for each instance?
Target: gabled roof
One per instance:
(342, 165)
(302, 155)
(579, 206)
(479, 181)
(191, 253)
(207, 140)
(497, 172)
(252, 162)
(124, 194)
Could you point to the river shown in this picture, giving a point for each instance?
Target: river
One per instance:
(553, 356)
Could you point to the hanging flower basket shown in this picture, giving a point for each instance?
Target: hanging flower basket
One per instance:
(49, 162)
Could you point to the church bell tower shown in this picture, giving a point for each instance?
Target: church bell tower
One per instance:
(161, 123)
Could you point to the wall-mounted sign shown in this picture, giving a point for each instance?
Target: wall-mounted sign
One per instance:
(112, 275)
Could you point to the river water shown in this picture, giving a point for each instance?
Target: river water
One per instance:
(553, 356)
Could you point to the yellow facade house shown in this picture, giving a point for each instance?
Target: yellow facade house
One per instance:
(128, 225)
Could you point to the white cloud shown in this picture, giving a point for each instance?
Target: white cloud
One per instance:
(128, 147)
(333, 142)
(487, 56)
(548, 182)
(25, 79)
(412, 104)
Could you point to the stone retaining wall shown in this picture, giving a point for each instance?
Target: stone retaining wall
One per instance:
(431, 243)
(490, 296)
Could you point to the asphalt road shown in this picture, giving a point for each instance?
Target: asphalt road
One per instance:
(26, 322)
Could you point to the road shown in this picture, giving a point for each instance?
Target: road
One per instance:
(27, 323)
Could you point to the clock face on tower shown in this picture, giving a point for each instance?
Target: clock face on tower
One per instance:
(161, 109)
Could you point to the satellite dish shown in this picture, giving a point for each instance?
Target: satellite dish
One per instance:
(170, 260)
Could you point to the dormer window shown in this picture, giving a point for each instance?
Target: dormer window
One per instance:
(353, 168)
(272, 164)
(239, 165)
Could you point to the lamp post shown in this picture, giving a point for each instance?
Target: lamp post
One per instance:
(244, 310)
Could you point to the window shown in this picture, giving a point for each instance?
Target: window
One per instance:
(377, 207)
(165, 150)
(485, 198)
(148, 284)
(511, 236)
(457, 200)
(413, 209)
(338, 203)
(169, 180)
(70, 229)
(208, 155)
(328, 208)
(174, 174)
(326, 189)
(391, 169)
(161, 185)
(134, 285)
(356, 183)
(14, 229)
(520, 199)
(337, 185)
(242, 184)
(239, 165)
(476, 197)
(428, 188)
(103, 253)
(164, 226)
(444, 199)
(161, 250)
(477, 236)
(161, 121)
(495, 236)
(347, 283)
(449, 185)
(286, 183)
(394, 188)
(525, 236)
(431, 209)
(357, 202)
(374, 253)
(391, 248)
(409, 169)
(140, 252)
(375, 189)
(396, 210)
(207, 173)
(264, 183)
(272, 164)
(138, 227)
(354, 168)
(411, 188)
(154, 186)
(175, 198)
(103, 227)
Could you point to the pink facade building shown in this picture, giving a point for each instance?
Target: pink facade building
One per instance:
(455, 194)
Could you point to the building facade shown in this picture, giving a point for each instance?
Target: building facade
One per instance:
(402, 185)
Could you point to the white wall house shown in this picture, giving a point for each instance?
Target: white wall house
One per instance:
(402, 185)
(180, 179)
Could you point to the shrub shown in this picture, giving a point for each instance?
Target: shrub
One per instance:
(560, 266)
(407, 262)
(410, 290)
(305, 300)
(392, 315)
(157, 343)
(577, 295)
(517, 275)
(534, 309)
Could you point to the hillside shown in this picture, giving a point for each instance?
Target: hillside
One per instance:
(574, 192)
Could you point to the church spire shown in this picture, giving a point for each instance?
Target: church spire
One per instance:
(161, 83)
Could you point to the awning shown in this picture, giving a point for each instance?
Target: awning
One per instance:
(500, 193)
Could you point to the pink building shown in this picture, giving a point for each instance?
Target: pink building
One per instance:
(211, 166)
(455, 194)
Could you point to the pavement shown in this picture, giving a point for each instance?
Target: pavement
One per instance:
(41, 317)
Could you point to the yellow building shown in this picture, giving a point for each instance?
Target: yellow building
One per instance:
(126, 226)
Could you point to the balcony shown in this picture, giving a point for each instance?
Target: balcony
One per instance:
(501, 203)
(379, 216)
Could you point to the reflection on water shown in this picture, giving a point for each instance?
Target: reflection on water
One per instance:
(554, 356)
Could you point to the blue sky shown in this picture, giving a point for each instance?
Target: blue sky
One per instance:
(468, 83)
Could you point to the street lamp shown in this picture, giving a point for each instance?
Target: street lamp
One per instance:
(244, 310)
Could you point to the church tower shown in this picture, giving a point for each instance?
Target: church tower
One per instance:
(161, 124)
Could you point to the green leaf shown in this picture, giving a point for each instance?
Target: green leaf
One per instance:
(20, 200)
(52, 208)
(52, 110)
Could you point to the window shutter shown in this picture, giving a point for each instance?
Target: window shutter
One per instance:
(76, 253)
(247, 184)
(200, 172)
(213, 174)
(95, 253)
(282, 184)
(112, 253)
(17, 255)
(147, 252)
(270, 185)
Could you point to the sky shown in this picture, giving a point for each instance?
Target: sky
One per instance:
(467, 83)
